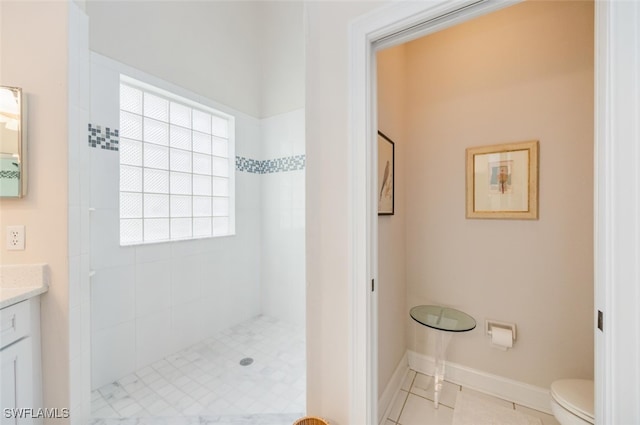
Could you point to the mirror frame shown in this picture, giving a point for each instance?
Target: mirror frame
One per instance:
(22, 143)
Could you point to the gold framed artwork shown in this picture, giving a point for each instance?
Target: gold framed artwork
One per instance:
(502, 181)
(386, 174)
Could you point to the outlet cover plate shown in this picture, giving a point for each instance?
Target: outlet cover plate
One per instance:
(15, 238)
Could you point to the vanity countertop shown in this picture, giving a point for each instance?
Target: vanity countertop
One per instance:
(21, 282)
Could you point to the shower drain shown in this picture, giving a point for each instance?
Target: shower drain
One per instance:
(246, 361)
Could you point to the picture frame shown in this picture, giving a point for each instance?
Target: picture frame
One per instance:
(502, 181)
(386, 175)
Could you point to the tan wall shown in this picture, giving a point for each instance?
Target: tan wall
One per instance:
(327, 208)
(392, 311)
(33, 36)
(522, 73)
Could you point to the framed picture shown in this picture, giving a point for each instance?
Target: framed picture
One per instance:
(386, 171)
(502, 181)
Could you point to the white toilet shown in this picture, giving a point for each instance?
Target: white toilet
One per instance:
(572, 401)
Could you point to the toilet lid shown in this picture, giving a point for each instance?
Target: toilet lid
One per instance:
(575, 395)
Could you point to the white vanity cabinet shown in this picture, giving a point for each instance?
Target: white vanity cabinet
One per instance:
(20, 373)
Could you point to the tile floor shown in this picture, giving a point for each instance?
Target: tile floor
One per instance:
(413, 404)
(205, 384)
(206, 381)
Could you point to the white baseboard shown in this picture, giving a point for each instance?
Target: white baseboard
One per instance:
(385, 403)
(508, 389)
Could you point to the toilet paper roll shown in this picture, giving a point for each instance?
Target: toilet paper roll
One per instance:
(501, 338)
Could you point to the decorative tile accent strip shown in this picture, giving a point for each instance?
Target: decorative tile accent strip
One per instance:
(248, 165)
(110, 140)
(9, 174)
(289, 163)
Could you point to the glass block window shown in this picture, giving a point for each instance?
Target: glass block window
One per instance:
(177, 167)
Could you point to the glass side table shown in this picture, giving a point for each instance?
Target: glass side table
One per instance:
(443, 320)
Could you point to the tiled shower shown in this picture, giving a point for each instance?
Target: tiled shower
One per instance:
(172, 322)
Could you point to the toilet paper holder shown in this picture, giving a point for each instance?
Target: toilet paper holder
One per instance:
(490, 324)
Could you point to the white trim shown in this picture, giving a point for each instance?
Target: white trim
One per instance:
(507, 389)
(617, 212)
(385, 22)
(385, 402)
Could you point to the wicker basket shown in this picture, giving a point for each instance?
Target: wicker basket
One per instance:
(311, 420)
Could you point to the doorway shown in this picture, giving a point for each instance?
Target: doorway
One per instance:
(438, 96)
(614, 133)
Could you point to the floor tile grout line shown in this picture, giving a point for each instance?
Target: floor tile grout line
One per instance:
(407, 397)
(426, 398)
(189, 361)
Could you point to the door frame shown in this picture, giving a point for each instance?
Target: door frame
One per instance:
(616, 211)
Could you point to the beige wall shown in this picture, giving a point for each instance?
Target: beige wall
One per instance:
(392, 311)
(327, 208)
(519, 74)
(33, 36)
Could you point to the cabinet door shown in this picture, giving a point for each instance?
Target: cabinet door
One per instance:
(16, 384)
(8, 385)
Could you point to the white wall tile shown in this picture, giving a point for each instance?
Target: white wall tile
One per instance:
(153, 338)
(113, 353)
(187, 323)
(105, 241)
(85, 282)
(248, 139)
(270, 188)
(248, 191)
(105, 96)
(75, 332)
(85, 228)
(74, 154)
(283, 221)
(75, 383)
(298, 188)
(79, 301)
(153, 287)
(85, 172)
(74, 281)
(187, 248)
(153, 252)
(112, 297)
(105, 181)
(73, 218)
(186, 279)
(183, 290)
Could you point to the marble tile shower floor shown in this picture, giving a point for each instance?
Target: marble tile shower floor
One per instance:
(207, 380)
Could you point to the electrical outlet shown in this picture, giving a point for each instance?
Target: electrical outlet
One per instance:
(15, 238)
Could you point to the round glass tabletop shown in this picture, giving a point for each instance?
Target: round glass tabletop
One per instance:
(443, 318)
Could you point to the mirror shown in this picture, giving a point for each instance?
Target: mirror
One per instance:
(13, 179)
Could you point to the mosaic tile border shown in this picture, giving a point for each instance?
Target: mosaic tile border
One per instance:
(9, 174)
(277, 165)
(248, 165)
(109, 140)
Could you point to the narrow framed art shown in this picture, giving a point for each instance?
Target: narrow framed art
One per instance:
(386, 173)
(502, 181)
